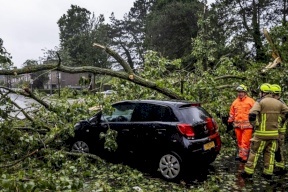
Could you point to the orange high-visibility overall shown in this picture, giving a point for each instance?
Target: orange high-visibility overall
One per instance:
(239, 115)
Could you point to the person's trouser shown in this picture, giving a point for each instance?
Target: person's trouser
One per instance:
(243, 137)
(268, 147)
(279, 156)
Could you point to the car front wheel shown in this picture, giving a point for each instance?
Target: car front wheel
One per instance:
(170, 166)
(80, 147)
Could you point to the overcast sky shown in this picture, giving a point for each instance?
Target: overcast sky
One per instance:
(28, 26)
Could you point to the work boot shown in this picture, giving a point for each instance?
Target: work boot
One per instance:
(280, 171)
(266, 176)
(246, 175)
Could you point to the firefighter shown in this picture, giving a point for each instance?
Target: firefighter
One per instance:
(265, 139)
(279, 155)
(238, 118)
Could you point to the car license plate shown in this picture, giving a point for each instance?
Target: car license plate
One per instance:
(209, 145)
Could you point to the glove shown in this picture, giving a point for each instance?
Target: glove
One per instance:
(229, 127)
(252, 117)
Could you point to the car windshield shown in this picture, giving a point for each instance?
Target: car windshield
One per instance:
(194, 114)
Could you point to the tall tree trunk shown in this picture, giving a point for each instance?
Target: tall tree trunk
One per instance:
(285, 10)
(260, 55)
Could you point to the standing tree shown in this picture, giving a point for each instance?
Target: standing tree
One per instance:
(243, 21)
(79, 29)
(128, 35)
(170, 27)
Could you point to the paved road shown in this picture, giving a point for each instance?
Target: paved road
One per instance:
(23, 102)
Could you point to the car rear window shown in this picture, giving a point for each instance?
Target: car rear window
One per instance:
(194, 114)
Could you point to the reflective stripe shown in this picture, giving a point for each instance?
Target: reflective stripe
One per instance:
(263, 122)
(269, 171)
(266, 133)
(260, 149)
(241, 122)
(245, 153)
(248, 170)
(279, 119)
(258, 152)
(282, 130)
(279, 164)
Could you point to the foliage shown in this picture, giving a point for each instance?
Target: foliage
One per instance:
(79, 29)
(171, 26)
(51, 168)
(39, 79)
(34, 154)
(5, 57)
(280, 36)
(242, 21)
(128, 35)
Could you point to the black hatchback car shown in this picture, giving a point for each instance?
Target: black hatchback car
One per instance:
(172, 134)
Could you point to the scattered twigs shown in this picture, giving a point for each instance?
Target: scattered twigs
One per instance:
(23, 111)
(46, 105)
(31, 129)
(19, 160)
(229, 77)
(85, 155)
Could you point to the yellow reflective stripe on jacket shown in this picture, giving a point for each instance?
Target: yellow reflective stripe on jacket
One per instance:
(266, 133)
(279, 120)
(282, 130)
(263, 122)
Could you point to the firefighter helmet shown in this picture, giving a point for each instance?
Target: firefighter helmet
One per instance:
(242, 88)
(275, 89)
(265, 88)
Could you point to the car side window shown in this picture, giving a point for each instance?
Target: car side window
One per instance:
(122, 112)
(150, 112)
(166, 114)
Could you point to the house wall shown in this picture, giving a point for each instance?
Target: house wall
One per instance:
(66, 79)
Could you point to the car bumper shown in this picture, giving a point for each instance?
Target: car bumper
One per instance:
(205, 149)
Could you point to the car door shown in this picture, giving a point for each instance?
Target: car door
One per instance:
(120, 120)
(151, 123)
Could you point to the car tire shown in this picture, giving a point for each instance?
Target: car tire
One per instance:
(80, 147)
(170, 166)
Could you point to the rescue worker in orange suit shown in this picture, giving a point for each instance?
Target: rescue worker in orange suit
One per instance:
(238, 118)
(267, 111)
(279, 155)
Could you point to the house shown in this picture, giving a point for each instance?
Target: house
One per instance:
(61, 79)
(13, 81)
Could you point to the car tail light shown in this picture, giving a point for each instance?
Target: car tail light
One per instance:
(211, 125)
(186, 130)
